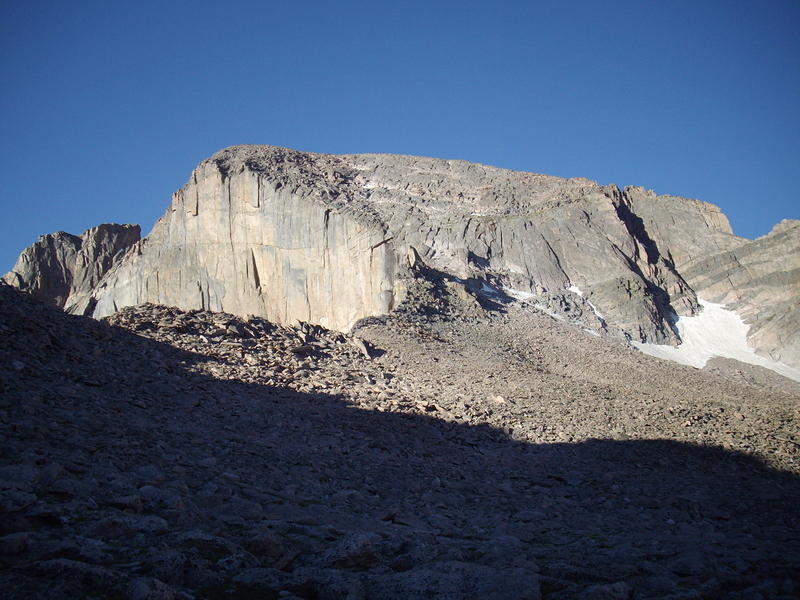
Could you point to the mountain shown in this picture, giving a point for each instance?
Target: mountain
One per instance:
(332, 239)
(473, 422)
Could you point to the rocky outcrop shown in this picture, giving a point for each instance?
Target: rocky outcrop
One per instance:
(331, 239)
(682, 228)
(760, 280)
(63, 269)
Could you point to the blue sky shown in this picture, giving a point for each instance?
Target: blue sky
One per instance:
(107, 106)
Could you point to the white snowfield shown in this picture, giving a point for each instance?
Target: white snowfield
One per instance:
(715, 331)
(518, 294)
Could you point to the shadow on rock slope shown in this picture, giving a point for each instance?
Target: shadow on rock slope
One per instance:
(126, 470)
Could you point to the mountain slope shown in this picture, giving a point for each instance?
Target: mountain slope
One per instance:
(169, 454)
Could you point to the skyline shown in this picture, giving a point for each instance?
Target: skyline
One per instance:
(113, 106)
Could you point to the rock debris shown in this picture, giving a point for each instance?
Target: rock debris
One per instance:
(452, 453)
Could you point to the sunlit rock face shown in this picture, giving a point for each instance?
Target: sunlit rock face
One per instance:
(325, 239)
(239, 240)
(330, 239)
(535, 234)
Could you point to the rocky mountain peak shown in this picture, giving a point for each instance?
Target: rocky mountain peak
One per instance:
(400, 378)
(785, 226)
(297, 236)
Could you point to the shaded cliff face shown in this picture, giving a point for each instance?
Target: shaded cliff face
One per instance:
(331, 239)
(63, 269)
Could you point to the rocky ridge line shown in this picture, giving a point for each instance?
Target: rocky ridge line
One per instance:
(64, 269)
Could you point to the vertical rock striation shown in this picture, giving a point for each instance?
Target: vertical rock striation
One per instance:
(245, 240)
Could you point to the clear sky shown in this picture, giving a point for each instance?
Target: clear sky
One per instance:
(107, 106)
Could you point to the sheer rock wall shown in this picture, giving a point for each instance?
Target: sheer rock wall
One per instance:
(244, 244)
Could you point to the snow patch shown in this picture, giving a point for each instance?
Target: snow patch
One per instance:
(596, 312)
(576, 290)
(716, 331)
(518, 294)
(547, 311)
(527, 297)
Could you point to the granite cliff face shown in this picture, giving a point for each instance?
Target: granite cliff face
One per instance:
(331, 239)
(63, 269)
(266, 243)
(530, 235)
